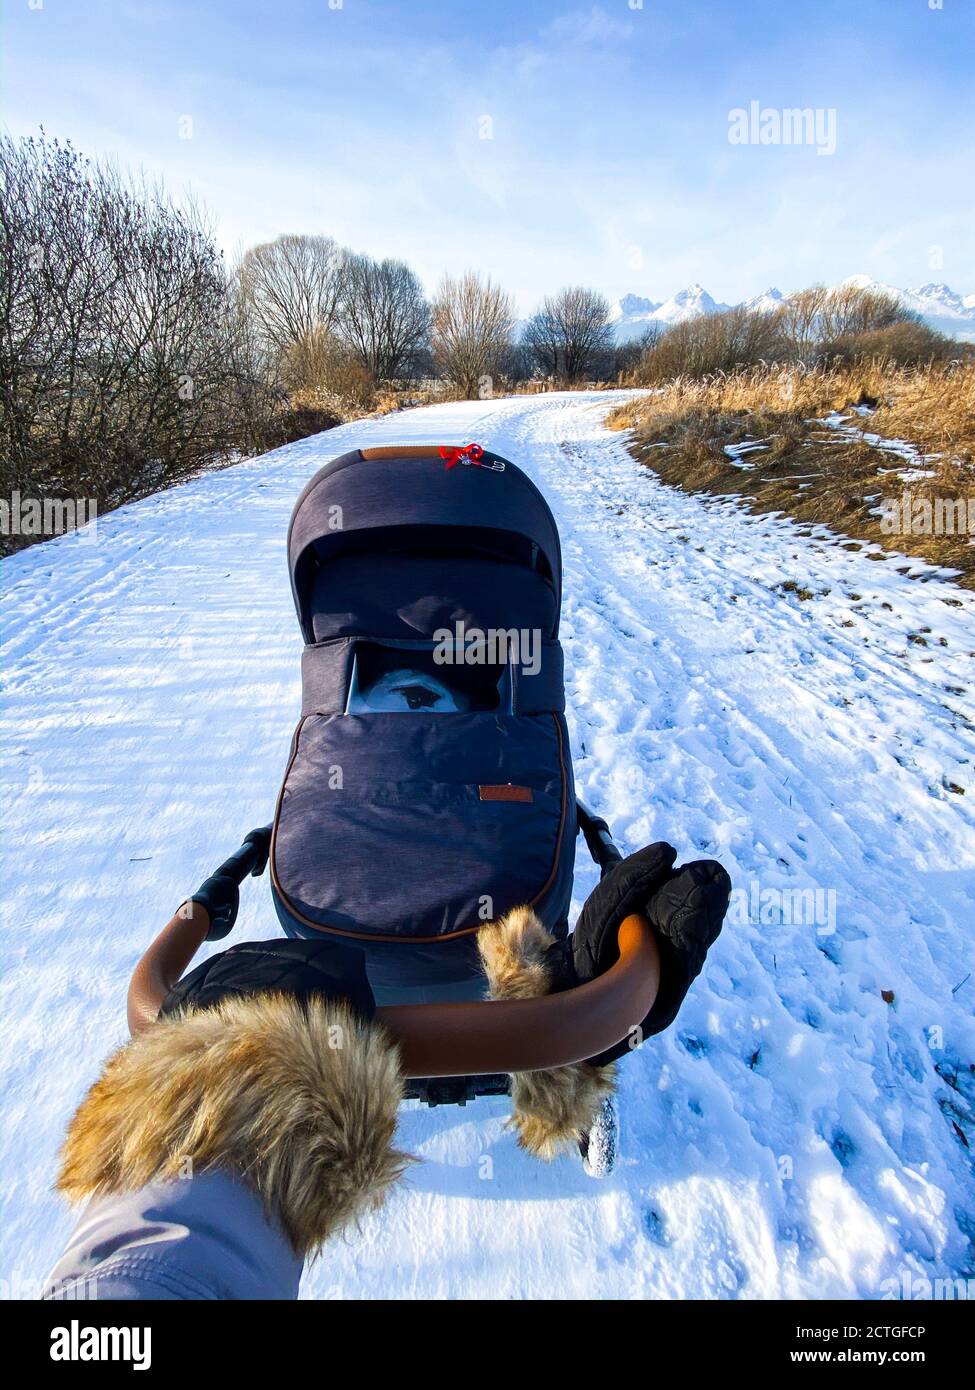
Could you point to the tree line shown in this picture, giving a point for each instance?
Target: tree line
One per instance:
(331, 317)
(133, 356)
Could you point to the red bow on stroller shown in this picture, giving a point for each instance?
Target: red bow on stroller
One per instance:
(467, 453)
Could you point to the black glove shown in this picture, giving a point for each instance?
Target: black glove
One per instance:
(221, 898)
(285, 965)
(685, 907)
(220, 895)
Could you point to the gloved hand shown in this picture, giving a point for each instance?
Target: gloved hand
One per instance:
(283, 965)
(220, 896)
(684, 906)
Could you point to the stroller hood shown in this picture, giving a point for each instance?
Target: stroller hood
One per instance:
(387, 501)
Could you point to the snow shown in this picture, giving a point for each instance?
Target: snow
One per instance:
(738, 453)
(796, 1133)
(632, 314)
(688, 304)
(632, 306)
(765, 303)
(903, 449)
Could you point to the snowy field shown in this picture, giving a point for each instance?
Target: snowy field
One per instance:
(804, 1128)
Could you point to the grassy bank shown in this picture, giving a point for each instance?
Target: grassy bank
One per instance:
(827, 446)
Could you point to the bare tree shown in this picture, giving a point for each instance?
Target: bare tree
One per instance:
(541, 341)
(293, 286)
(383, 315)
(570, 333)
(473, 325)
(811, 320)
(853, 309)
(799, 321)
(125, 363)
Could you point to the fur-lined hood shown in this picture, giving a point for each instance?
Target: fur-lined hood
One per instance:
(299, 1099)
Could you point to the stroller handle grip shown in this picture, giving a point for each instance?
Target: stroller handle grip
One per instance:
(459, 1039)
(554, 1030)
(162, 965)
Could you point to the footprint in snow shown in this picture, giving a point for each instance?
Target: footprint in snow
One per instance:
(843, 1147)
(655, 1228)
(732, 1276)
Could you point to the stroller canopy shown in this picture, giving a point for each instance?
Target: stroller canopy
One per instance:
(377, 532)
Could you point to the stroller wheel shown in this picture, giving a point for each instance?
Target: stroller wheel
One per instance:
(599, 1146)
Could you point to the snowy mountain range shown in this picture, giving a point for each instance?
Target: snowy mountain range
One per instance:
(938, 304)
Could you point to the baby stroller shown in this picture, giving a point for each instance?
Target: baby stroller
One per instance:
(442, 587)
(429, 784)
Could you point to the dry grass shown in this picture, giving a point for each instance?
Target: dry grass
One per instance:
(806, 469)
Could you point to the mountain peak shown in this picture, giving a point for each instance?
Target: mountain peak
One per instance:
(635, 304)
(689, 303)
(691, 294)
(940, 293)
(766, 302)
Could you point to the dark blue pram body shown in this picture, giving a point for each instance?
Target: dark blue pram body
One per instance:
(400, 833)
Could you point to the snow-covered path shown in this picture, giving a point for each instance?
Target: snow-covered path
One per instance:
(803, 1129)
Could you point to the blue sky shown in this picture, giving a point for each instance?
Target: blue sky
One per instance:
(547, 143)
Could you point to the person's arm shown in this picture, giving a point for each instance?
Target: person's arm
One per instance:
(201, 1237)
(232, 1137)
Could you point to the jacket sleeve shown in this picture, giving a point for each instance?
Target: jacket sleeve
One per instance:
(204, 1237)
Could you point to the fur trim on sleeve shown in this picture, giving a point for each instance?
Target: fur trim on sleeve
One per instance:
(299, 1102)
(552, 1109)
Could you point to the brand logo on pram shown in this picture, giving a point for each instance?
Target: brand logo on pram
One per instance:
(469, 454)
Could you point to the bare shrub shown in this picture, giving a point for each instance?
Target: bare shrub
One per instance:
(811, 322)
(322, 370)
(126, 362)
(902, 344)
(850, 310)
(711, 343)
(799, 320)
(297, 421)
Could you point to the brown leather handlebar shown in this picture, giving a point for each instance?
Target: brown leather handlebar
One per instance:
(459, 1039)
(163, 964)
